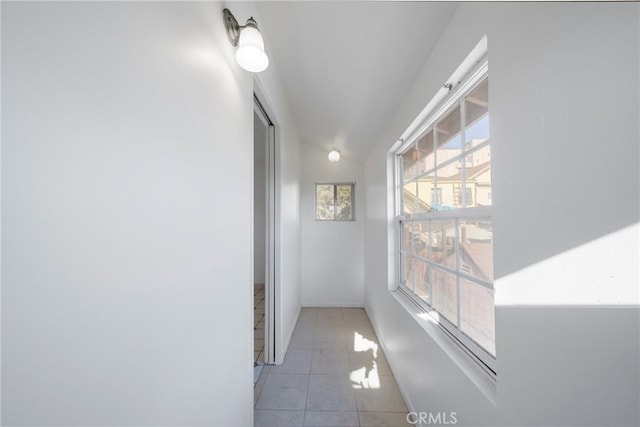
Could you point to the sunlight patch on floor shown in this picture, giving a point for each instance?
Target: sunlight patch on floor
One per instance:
(365, 377)
(361, 344)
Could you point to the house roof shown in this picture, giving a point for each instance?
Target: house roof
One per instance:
(472, 172)
(480, 257)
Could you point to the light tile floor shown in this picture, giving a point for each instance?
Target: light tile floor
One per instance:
(258, 324)
(334, 374)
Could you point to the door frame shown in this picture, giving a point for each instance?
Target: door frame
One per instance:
(272, 238)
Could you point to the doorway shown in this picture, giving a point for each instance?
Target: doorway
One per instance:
(264, 226)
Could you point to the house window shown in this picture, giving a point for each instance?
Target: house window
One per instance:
(335, 202)
(436, 196)
(458, 196)
(443, 217)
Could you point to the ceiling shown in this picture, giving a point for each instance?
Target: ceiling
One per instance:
(346, 66)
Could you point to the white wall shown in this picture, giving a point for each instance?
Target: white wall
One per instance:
(564, 123)
(332, 252)
(259, 200)
(289, 296)
(123, 124)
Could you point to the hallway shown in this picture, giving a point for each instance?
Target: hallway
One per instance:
(334, 374)
(493, 234)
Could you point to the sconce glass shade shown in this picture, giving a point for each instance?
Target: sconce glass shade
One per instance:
(250, 54)
(334, 156)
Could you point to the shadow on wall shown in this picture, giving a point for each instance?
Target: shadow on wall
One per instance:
(566, 168)
(580, 365)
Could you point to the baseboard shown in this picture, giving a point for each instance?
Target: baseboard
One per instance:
(340, 305)
(404, 395)
(285, 348)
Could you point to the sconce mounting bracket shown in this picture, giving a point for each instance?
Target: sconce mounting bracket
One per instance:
(231, 24)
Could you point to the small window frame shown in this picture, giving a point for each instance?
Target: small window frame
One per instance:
(335, 185)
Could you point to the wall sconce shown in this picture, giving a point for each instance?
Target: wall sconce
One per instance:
(250, 54)
(334, 156)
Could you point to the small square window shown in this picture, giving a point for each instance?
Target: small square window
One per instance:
(335, 202)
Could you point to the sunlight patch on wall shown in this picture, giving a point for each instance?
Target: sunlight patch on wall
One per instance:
(602, 272)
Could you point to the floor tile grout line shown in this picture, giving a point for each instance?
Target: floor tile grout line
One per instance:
(306, 401)
(355, 397)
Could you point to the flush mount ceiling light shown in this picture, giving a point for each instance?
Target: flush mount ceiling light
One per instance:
(334, 156)
(250, 54)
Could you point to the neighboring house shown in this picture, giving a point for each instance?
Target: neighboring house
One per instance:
(447, 193)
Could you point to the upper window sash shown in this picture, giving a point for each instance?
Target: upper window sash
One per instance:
(447, 100)
(455, 99)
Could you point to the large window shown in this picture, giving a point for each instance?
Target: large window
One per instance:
(335, 202)
(443, 218)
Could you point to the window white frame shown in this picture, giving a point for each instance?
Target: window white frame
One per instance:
(436, 110)
(335, 185)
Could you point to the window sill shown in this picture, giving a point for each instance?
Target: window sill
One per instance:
(478, 376)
